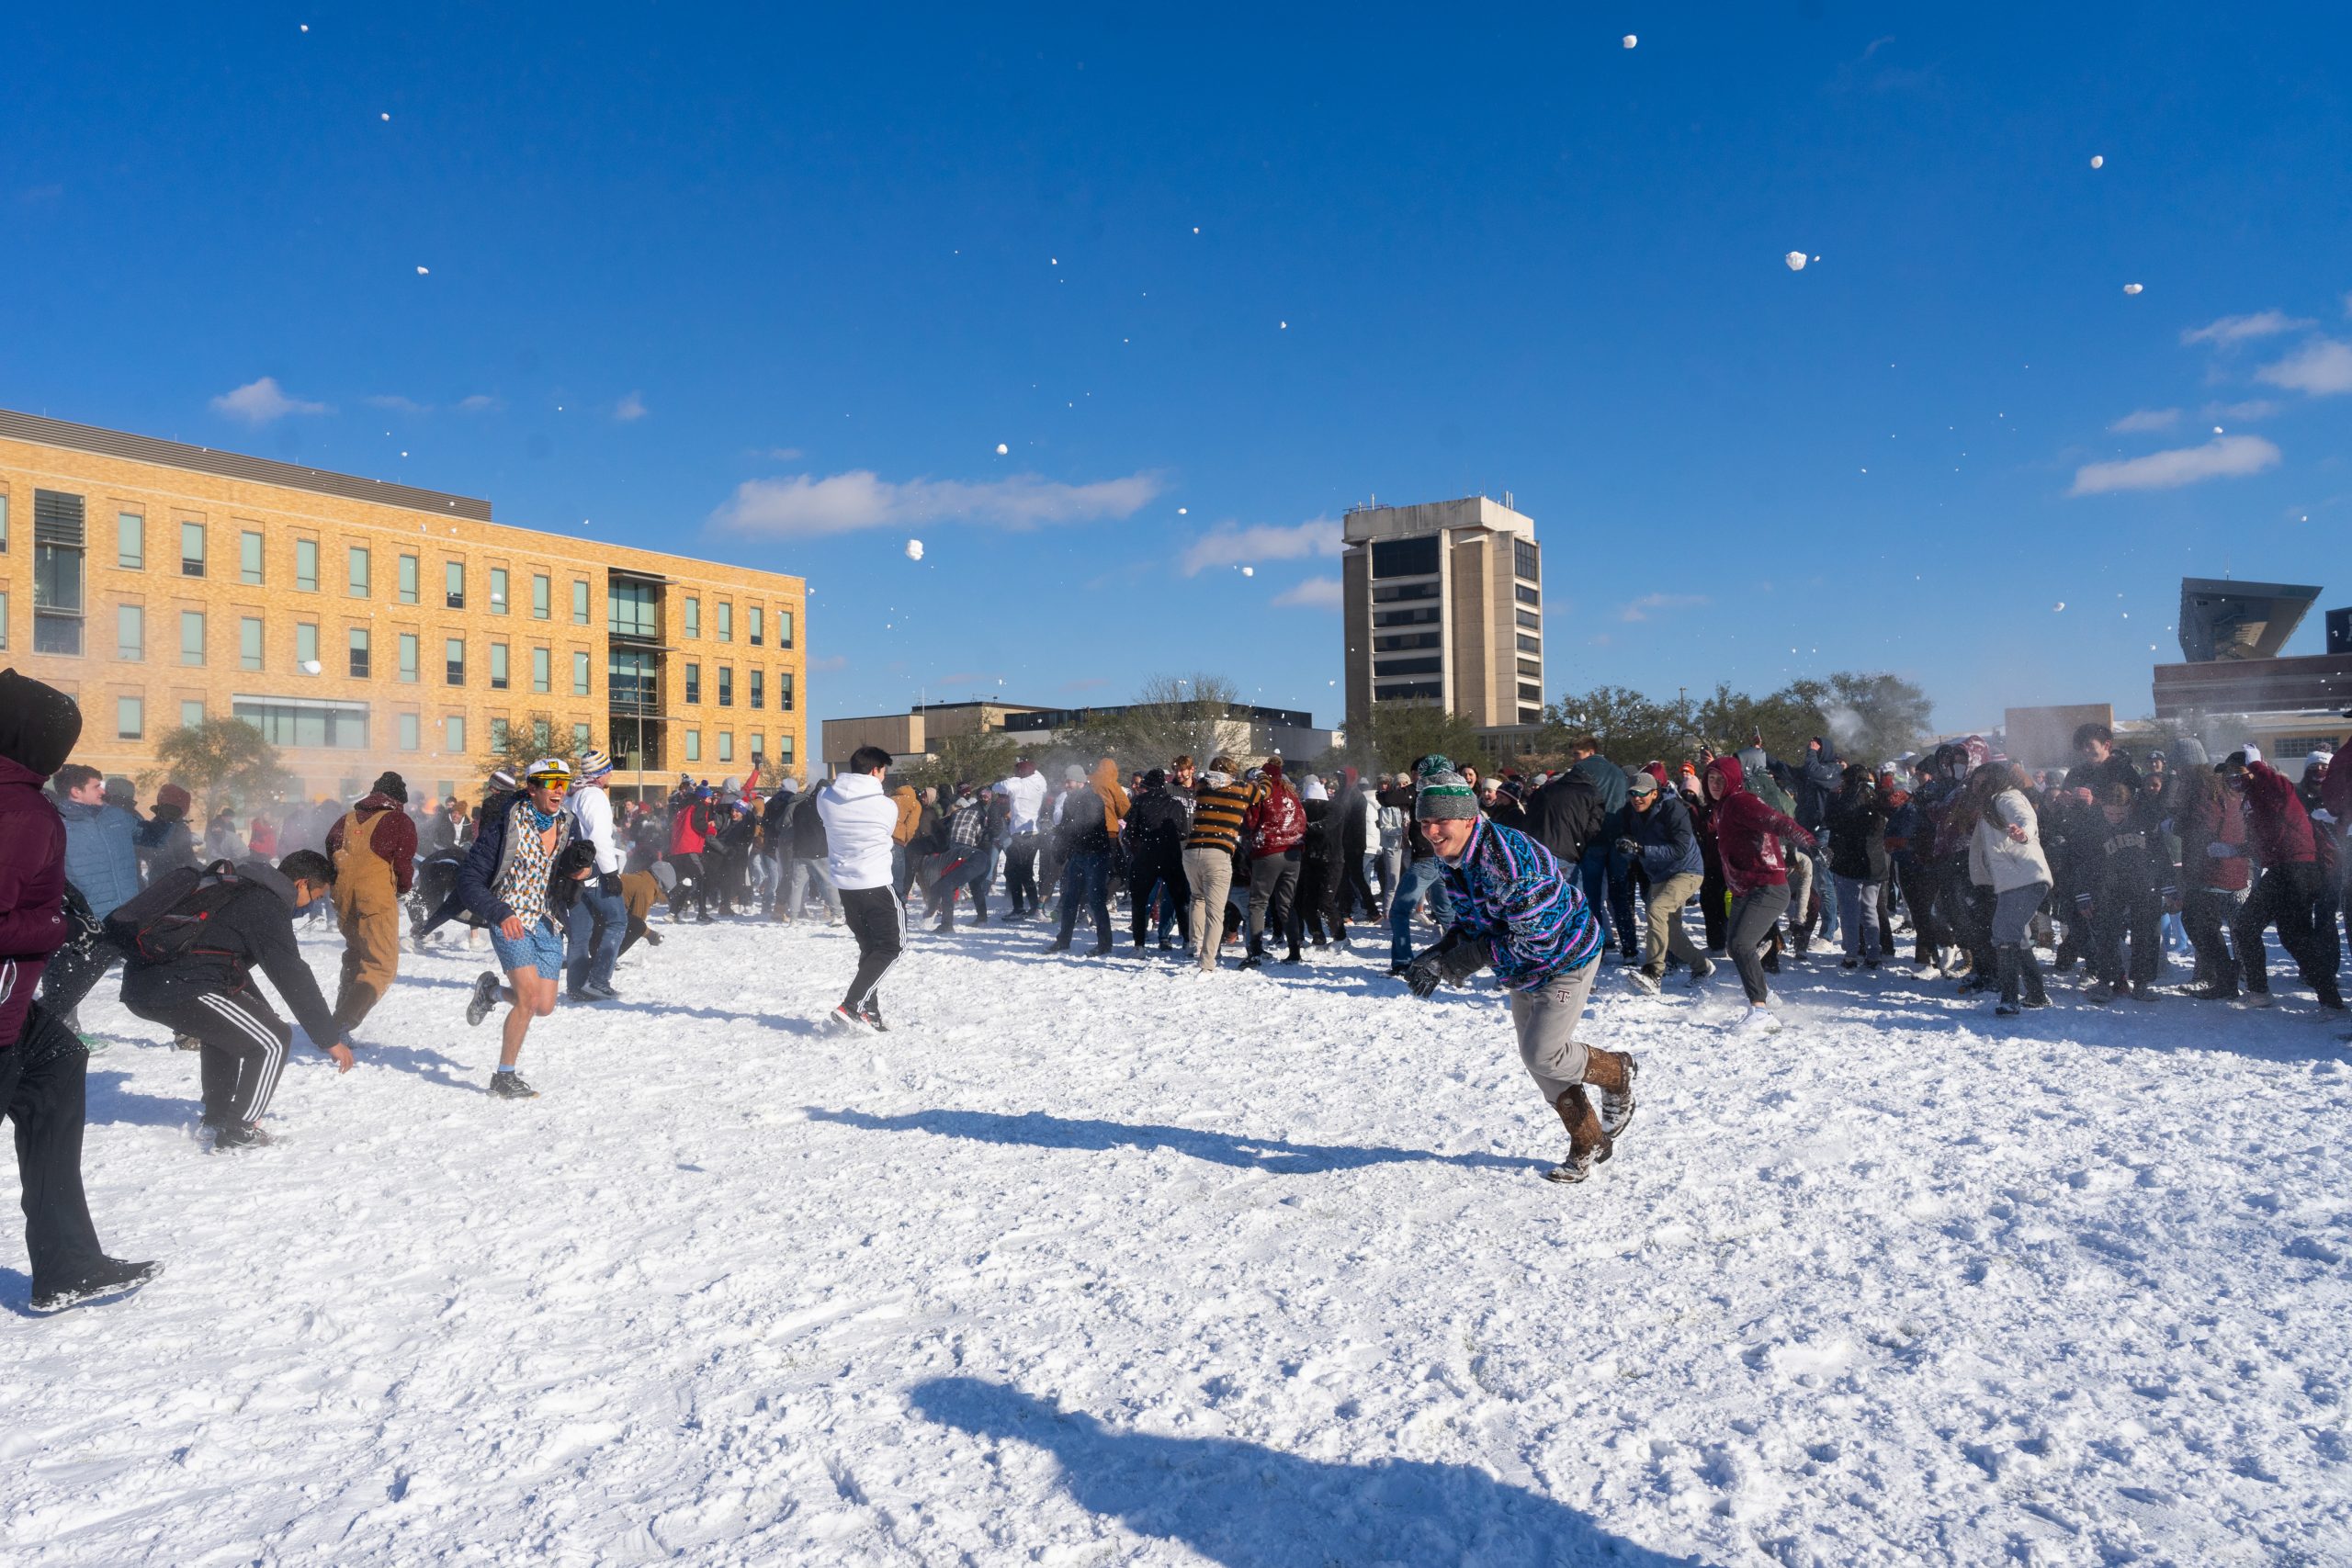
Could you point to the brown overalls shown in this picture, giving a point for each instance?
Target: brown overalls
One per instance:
(367, 906)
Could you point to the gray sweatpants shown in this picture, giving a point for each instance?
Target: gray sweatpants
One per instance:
(1210, 875)
(2013, 913)
(1546, 1019)
(1753, 915)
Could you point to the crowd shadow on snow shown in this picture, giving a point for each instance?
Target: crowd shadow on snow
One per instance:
(666, 1010)
(421, 1062)
(1248, 1507)
(1276, 1156)
(108, 1100)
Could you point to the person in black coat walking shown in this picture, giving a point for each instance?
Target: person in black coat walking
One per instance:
(1157, 823)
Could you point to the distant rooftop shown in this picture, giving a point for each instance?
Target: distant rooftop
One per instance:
(2223, 619)
(235, 465)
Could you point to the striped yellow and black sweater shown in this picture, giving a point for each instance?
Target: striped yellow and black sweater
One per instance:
(1217, 811)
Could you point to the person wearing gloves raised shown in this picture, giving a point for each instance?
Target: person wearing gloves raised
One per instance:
(859, 823)
(2280, 831)
(599, 919)
(1516, 908)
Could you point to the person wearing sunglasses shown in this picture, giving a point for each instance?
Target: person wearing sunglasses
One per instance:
(504, 884)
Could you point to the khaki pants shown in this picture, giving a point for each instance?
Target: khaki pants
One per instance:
(1210, 872)
(371, 955)
(1546, 1019)
(1666, 934)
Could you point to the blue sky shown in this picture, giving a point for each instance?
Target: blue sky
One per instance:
(775, 289)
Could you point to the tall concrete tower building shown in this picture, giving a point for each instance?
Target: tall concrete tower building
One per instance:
(1444, 604)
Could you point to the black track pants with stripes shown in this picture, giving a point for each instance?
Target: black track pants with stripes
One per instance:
(878, 920)
(244, 1047)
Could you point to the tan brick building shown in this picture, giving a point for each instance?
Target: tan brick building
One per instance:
(362, 624)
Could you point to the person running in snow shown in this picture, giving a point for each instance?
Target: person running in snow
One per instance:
(504, 884)
(859, 823)
(1747, 836)
(1517, 909)
(374, 853)
(599, 920)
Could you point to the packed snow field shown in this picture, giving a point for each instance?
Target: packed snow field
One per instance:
(1105, 1262)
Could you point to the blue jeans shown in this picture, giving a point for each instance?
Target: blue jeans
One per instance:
(593, 937)
(1087, 876)
(796, 883)
(1419, 878)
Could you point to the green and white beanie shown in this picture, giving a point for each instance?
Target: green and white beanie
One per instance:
(1443, 793)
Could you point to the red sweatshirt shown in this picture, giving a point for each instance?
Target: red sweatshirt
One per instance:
(2275, 821)
(1748, 833)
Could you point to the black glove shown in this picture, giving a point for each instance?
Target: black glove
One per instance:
(609, 884)
(1454, 959)
(1629, 848)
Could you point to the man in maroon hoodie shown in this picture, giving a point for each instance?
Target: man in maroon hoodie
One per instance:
(1274, 827)
(2280, 831)
(42, 1063)
(1747, 836)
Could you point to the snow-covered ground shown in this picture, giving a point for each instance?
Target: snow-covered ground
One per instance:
(1105, 1261)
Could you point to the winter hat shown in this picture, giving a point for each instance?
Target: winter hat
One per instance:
(1156, 779)
(1638, 782)
(39, 723)
(501, 780)
(2320, 756)
(2251, 753)
(1073, 775)
(2190, 753)
(594, 764)
(121, 792)
(1313, 789)
(175, 796)
(665, 876)
(1443, 794)
(1218, 780)
(391, 783)
(1273, 767)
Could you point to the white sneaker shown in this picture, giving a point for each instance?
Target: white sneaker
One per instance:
(1641, 983)
(1759, 1021)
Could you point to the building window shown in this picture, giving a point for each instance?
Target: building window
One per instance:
(408, 658)
(356, 572)
(360, 653)
(1528, 693)
(759, 689)
(191, 549)
(693, 681)
(191, 715)
(1524, 561)
(757, 618)
(498, 591)
(784, 628)
(1408, 666)
(129, 632)
(727, 685)
(1407, 639)
(453, 584)
(542, 735)
(498, 672)
(306, 565)
(1403, 590)
(306, 647)
(632, 683)
(1531, 669)
(453, 730)
(726, 745)
(192, 638)
(404, 726)
(1529, 620)
(58, 571)
(783, 749)
(1414, 690)
(631, 609)
(249, 566)
(580, 738)
(4, 522)
(579, 600)
(1427, 615)
(404, 579)
(694, 745)
(283, 722)
(1525, 594)
(129, 541)
(540, 600)
(1405, 557)
(1531, 716)
(498, 735)
(578, 674)
(3, 619)
(130, 718)
(693, 615)
(249, 642)
(454, 653)
(1529, 644)
(541, 680)
(784, 691)
(724, 613)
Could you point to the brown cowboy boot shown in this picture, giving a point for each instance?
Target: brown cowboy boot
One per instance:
(1587, 1144)
(1612, 1073)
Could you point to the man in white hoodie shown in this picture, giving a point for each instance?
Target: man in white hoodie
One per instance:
(1024, 798)
(859, 819)
(599, 917)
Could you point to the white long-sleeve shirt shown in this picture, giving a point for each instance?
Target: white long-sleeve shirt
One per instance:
(593, 810)
(859, 820)
(1026, 798)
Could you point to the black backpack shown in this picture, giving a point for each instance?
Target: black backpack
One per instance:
(168, 919)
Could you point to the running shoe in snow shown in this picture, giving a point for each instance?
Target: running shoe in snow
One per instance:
(485, 996)
(229, 1137)
(1759, 1021)
(1641, 983)
(108, 1279)
(507, 1084)
(841, 1018)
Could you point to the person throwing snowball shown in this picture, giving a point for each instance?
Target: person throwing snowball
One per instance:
(1516, 909)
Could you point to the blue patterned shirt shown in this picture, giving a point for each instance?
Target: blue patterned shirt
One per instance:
(1509, 891)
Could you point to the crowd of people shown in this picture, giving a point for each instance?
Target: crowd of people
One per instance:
(2112, 866)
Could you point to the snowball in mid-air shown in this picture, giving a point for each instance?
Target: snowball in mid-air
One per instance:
(383, 117)
(425, 271)
(2097, 162)
(2058, 606)
(1001, 448)
(1182, 511)
(2131, 288)
(311, 667)
(1795, 260)
(1631, 41)
(1248, 571)
(914, 549)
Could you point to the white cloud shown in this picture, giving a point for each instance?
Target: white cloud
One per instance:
(630, 408)
(480, 402)
(1315, 594)
(805, 506)
(258, 402)
(2252, 409)
(2224, 456)
(2147, 419)
(1640, 608)
(2230, 330)
(2320, 366)
(1227, 544)
(398, 404)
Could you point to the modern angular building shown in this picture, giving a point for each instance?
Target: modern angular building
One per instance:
(1443, 603)
(362, 624)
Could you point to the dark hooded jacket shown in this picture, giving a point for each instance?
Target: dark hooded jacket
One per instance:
(1748, 832)
(254, 928)
(1568, 815)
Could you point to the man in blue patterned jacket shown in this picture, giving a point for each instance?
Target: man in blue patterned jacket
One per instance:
(1515, 908)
